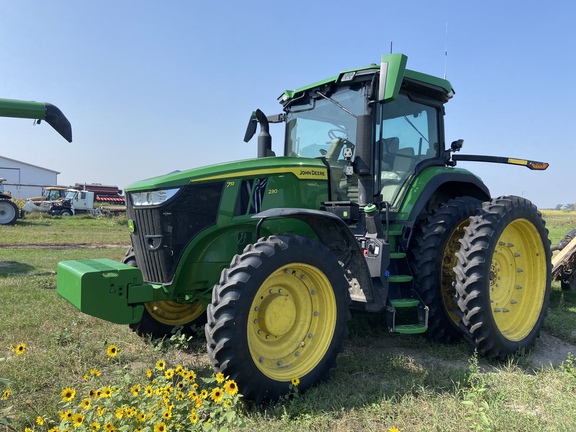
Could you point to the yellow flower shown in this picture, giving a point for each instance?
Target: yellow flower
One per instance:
(149, 373)
(204, 394)
(141, 417)
(95, 372)
(231, 387)
(101, 410)
(6, 394)
(160, 427)
(119, 413)
(216, 394)
(393, 430)
(167, 414)
(109, 427)
(193, 417)
(27, 429)
(112, 351)
(40, 421)
(77, 420)
(20, 348)
(135, 389)
(68, 394)
(295, 381)
(148, 390)
(54, 429)
(192, 395)
(220, 377)
(199, 402)
(106, 392)
(95, 426)
(85, 404)
(160, 365)
(169, 373)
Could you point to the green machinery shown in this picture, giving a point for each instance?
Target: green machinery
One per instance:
(31, 110)
(365, 210)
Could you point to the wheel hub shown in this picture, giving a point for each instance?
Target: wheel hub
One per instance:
(277, 314)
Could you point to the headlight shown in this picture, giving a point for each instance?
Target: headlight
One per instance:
(152, 197)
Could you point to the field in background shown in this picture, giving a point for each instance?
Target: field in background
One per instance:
(382, 380)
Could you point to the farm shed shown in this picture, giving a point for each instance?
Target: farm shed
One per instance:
(24, 180)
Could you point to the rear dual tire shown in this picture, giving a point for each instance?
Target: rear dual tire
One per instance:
(503, 277)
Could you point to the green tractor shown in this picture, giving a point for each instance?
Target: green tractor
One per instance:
(365, 210)
(31, 110)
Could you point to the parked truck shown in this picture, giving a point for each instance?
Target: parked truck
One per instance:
(87, 202)
(366, 209)
(31, 110)
(101, 199)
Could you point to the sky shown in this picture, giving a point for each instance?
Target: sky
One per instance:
(151, 87)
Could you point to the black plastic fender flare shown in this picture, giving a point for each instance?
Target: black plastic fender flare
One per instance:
(333, 232)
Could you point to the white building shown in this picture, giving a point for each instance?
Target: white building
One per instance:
(24, 180)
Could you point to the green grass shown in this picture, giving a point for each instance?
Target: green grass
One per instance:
(382, 380)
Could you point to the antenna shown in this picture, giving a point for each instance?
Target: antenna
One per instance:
(446, 51)
(391, 43)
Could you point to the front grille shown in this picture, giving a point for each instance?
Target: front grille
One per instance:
(161, 233)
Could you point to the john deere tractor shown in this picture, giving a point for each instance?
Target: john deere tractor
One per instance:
(30, 110)
(366, 210)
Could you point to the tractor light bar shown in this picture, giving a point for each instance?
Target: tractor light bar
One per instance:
(150, 198)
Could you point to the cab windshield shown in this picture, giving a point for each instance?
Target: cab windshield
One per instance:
(314, 125)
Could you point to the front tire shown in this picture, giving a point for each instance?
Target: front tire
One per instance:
(8, 212)
(503, 277)
(279, 312)
(434, 261)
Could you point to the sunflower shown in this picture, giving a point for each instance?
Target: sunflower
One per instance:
(141, 417)
(149, 373)
(216, 394)
(112, 351)
(85, 404)
(204, 394)
(19, 349)
(149, 391)
(160, 365)
(160, 427)
(220, 377)
(95, 372)
(77, 420)
(6, 394)
(295, 381)
(68, 394)
(169, 373)
(95, 426)
(106, 392)
(231, 387)
(193, 417)
(135, 390)
(40, 421)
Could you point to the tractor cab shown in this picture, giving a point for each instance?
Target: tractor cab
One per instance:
(375, 128)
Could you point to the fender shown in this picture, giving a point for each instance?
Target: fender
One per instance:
(438, 184)
(335, 234)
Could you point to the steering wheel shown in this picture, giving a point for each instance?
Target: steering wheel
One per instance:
(332, 133)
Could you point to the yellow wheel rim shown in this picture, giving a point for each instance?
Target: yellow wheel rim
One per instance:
(517, 275)
(449, 261)
(173, 314)
(292, 321)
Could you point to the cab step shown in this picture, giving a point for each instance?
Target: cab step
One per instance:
(404, 303)
(410, 328)
(400, 278)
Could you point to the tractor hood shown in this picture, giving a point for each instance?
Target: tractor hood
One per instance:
(38, 111)
(303, 168)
